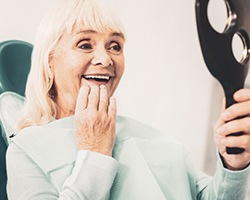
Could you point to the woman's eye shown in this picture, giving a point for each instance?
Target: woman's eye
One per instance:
(115, 47)
(85, 46)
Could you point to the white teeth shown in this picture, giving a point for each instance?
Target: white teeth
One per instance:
(97, 77)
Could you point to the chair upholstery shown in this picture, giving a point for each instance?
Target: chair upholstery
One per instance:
(11, 104)
(14, 65)
(15, 61)
(3, 176)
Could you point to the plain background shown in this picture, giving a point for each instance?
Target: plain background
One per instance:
(166, 83)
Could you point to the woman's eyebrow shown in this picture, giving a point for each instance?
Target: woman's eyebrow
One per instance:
(113, 34)
(116, 34)
(85, 31)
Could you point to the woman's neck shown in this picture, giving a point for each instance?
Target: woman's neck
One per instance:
(64, 109)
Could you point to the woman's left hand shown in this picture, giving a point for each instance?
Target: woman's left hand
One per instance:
(228, 124)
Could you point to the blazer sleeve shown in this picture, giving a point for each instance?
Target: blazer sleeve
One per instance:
(225, 185)
(91, 178)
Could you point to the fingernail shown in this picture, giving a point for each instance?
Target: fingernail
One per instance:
(102, 86)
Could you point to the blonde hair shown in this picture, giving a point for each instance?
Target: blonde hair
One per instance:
(40, 107)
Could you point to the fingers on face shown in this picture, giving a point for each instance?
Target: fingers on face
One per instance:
(82, 99)
(104, 102)
(107, 104)
(112, 107)
(96, 99)
(93, 97)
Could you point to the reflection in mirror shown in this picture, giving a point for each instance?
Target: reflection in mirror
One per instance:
(219, 15)
(239, 47)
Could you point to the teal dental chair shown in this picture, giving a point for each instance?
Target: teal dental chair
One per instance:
(15, 61)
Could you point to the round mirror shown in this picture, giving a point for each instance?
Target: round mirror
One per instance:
(239, 48)
(219, 15)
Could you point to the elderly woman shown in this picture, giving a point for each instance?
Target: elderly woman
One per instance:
(71, 144)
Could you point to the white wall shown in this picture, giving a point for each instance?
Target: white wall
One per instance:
(166, 83)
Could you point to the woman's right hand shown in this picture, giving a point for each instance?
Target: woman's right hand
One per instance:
(95, 120)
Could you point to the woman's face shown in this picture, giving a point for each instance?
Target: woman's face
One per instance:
(86, 57)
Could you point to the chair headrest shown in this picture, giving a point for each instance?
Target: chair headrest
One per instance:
(15, 61)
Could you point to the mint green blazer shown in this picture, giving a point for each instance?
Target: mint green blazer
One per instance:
(43, 163)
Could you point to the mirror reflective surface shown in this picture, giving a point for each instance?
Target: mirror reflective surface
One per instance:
(218, 15)
(239, 48)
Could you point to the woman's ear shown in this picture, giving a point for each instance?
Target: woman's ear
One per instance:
(51, 66)
(52, 92)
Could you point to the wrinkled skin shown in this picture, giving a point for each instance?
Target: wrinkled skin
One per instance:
(77, 57)
(95, 119)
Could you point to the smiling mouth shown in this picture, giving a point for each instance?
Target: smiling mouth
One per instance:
(98, 78)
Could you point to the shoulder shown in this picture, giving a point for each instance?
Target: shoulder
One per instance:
(50, 131)
(44, 144)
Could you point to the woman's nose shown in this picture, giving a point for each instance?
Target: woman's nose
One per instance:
(102, 58)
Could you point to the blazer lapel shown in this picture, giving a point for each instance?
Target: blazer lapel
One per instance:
(134, 179)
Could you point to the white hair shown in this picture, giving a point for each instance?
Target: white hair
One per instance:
(40, 106)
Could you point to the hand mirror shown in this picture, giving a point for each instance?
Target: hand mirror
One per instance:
(217, 48)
